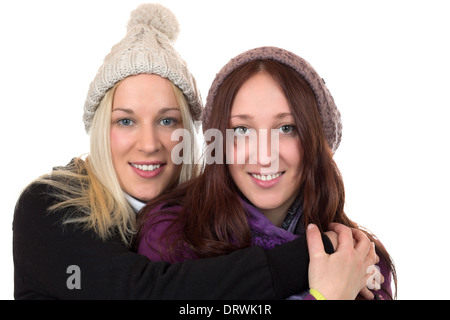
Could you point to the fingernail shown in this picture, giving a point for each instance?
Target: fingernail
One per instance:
(311, 226)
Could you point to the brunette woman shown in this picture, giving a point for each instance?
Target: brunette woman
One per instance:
(271, 201)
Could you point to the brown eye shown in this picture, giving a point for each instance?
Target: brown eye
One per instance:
(241, 130)
(287, 129)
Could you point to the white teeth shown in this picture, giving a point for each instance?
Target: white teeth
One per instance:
(266, 177)
(145, 167)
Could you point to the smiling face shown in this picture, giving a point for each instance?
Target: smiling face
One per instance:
(144, 114)
(260, 104)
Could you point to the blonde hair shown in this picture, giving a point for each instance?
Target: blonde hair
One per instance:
(189, 169)
(91, 188)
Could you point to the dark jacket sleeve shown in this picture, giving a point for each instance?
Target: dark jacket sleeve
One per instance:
(45, 252)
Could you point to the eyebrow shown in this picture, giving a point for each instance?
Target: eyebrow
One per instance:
(249, 117)
(161, 111)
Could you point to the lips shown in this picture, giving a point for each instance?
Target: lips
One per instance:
(265, 180)
(147, 170)
(268, 177)
(145, 167)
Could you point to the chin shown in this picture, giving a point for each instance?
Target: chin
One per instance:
(265, 204)
(145, 196)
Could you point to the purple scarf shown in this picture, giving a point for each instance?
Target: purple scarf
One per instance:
(264, 233)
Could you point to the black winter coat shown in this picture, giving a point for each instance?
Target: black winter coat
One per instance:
(56, 261)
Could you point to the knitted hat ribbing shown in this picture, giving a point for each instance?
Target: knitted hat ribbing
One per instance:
(146, 48)
(330, 115)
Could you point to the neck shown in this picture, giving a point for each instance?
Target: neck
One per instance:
(277, 215)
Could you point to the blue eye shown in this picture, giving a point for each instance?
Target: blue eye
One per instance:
(287, 129)
(125, 122)
(168, 122)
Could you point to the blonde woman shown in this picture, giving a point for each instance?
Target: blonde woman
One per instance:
(73, 228)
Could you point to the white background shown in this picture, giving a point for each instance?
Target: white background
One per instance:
(385, 62)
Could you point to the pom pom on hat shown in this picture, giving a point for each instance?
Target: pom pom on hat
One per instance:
(156, 16)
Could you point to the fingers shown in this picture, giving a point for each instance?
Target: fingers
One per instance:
(367, 294)
(314, 239)
(352, 238)
(363, 250)
(345, 236)
(363, 244)
(372, 257)
(373, 281)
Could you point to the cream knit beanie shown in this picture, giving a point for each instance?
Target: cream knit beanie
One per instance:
(146, 48)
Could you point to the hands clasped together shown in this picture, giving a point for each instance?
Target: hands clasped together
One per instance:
(349, 270)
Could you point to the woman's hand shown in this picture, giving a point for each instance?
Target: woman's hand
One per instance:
(374, 281)
(341, 275)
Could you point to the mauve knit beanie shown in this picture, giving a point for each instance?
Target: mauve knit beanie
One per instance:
(330, 115)
(147, 48)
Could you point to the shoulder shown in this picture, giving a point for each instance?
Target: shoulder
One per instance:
(40, 195)
(33, 217)
(35, 197)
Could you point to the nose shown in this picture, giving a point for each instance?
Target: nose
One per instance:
(148, 140)
(268, 150)
(261, 148)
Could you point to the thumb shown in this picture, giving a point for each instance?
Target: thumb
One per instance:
(314, 239)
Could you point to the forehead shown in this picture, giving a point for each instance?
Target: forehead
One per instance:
(260, 95)
(145, 89)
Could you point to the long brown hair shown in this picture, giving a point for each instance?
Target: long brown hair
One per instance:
(213, 219)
